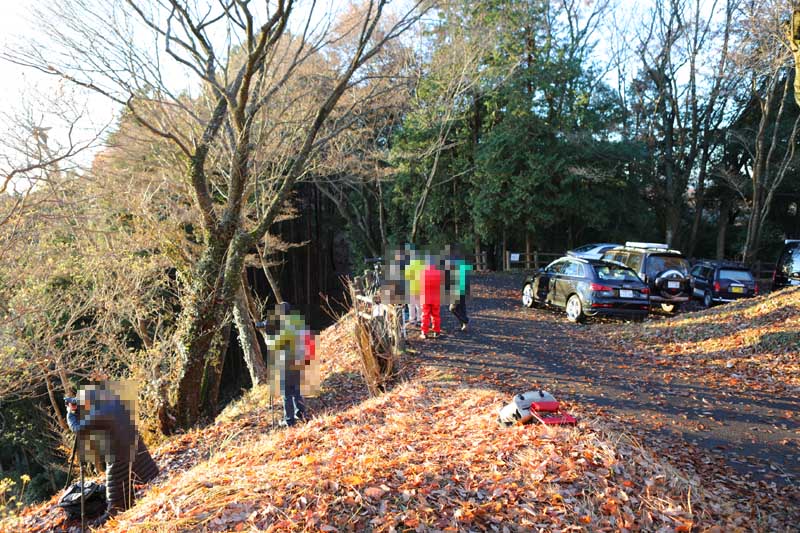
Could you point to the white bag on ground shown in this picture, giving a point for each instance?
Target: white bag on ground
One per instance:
(520, 406)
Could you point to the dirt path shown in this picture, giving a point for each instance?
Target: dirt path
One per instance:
(514, 348)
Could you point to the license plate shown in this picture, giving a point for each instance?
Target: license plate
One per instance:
(625, 293)
(673, 284)
(738, 290)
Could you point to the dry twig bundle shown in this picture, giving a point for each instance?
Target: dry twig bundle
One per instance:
(377, 331)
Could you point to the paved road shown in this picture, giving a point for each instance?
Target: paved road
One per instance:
(519, 349)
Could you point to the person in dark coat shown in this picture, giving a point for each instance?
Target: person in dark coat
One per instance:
(104, 419)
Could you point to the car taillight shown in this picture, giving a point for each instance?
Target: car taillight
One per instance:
(717, 286)
(596, 287)
(755, 288)
(645, 290)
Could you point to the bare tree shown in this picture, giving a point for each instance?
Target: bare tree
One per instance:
(767, 123)
(688, 100)
(242, 58)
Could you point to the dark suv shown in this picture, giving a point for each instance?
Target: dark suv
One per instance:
(665, 271)
(722, 281)
(787, 271)
(587, 287)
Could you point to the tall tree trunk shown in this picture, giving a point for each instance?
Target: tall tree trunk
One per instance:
(527, 250)
(505, 243)
(273, 284)
(722, 225)
(248, 336)
(212, 372)
(699, 199)
(753, 226)
(209, 299)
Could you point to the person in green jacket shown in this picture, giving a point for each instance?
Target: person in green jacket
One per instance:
(460, 272)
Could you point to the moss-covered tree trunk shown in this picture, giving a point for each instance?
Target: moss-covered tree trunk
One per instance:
(212, 373)
(248, 338)
(217, 279)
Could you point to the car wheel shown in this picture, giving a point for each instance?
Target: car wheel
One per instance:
(707, 299)
(574, 309)
(527, 295)
(668, 308)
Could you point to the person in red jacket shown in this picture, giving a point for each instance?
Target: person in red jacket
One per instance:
(430, 298)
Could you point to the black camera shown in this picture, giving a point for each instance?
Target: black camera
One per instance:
(70, 401)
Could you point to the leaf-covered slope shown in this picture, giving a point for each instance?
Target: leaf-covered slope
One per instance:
(429, 456)
(754, 343)
(426, 456)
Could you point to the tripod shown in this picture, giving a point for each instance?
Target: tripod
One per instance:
(69, 478)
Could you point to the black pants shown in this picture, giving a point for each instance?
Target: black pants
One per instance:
(121, 475)
(144, 468)
(293, 404)
(119, 486)
(460, 310)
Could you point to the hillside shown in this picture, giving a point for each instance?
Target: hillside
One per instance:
(429, 456)
(753, 343)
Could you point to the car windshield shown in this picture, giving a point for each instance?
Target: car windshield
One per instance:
(615, 273)
(584, 248)
(790, 262)
(735, 275)
(657, 264)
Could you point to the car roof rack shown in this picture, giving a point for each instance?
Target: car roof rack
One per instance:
(573, 255)
(647, 245)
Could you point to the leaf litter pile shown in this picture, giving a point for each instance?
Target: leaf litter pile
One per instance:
(426, 456)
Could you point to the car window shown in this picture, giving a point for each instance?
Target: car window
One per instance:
(656, 264)
(634, 261)
(556, 267)
(708, 273)
(573, 269)
(735, 275)
(697, 271)
(584, 248)
(615, 273)
(790, 260)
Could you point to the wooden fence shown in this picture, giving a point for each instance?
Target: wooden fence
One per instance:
(516, 261)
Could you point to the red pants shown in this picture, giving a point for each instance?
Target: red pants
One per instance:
(430, 311)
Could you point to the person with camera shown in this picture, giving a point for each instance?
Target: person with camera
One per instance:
(293, 347)
(100, 416)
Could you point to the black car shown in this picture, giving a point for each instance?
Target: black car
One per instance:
(587, 287)
(787, 271)
(721, 281)
(665, 271)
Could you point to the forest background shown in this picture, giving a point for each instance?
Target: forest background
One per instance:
(260, 152)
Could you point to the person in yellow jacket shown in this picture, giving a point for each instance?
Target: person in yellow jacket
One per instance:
(290, 345)
(413, 276)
